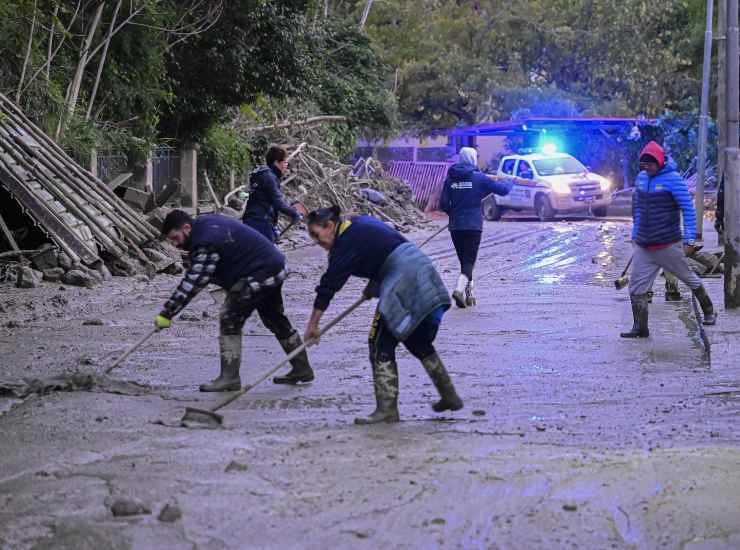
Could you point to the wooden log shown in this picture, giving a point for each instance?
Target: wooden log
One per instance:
(8, 235)
(219, 206)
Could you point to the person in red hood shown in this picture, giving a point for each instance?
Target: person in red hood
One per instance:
(660, 201)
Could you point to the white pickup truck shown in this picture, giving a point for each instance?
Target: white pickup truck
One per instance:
(550, 184)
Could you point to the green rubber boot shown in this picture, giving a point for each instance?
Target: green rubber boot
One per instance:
(385, 380)
(231, 358)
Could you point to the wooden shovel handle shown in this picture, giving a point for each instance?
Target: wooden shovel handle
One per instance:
(130, 350)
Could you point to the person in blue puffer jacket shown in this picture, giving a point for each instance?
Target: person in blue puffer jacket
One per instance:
(462, 194)
(660, 198)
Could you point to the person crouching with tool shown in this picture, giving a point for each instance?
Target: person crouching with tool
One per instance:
(412, 301)
(251, 269)
(266, 200)
(660, 197)
(462, 194)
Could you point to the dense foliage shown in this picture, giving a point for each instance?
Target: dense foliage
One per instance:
(183, 70)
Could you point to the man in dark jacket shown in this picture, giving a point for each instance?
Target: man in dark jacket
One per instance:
(660, 199)
(251, 269)
(462, 194)
(266, 200)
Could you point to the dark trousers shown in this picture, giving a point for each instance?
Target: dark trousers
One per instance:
(268, 301)
(264, 227)
(420, 343)
(466, 244)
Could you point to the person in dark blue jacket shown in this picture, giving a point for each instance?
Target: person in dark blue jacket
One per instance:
(412, 300)
(266, 200)
(660, 200)
(462, 194)
(251, 269)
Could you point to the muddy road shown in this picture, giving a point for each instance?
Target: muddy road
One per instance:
(570, 437)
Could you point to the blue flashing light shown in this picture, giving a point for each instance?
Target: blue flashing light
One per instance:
(549, 148)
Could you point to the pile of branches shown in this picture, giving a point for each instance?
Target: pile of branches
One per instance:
(318, 178)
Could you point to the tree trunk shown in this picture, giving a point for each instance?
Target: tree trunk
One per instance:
(365, 13)
(74, 89)
(103, 56)
(28, 54)
(49, 54)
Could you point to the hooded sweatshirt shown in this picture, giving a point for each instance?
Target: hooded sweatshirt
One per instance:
(463, 191)
(658, 202)
(266, 201)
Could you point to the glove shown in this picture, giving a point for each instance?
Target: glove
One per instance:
(161, 322)
(372, 290)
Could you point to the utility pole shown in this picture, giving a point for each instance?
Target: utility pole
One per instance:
(721, 88)
(732, 178)
(704, 123)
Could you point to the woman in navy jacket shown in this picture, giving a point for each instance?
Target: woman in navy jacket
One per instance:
(412, 300)
(462, 194)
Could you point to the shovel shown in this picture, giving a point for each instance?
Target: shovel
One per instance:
(623, 280)
(702, 332)
(209, 418)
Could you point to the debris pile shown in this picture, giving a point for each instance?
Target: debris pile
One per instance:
(58, 222)
(317, 178)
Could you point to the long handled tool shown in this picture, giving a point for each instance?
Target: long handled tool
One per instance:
(435, 234)
(210, 418)
(623, 280)
(130, 350)
(700, 324)
(302, 210)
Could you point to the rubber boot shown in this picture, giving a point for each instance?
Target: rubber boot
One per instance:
(231, 358)
(459, 293)
(301, 370)
(672, 294)
(710, 318)
(640, 316)
(469, 294)
(438, 373)
(385, 380)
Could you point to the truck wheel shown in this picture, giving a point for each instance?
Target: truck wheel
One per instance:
(543, 208)
(600, 212)
(491, 211)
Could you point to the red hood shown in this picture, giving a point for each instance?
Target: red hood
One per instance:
(655, 151)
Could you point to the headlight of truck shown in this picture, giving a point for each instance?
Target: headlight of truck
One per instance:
(605, 184)
(561, 188)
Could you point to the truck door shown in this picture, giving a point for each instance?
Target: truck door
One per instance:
(525, 191)
(507, 169)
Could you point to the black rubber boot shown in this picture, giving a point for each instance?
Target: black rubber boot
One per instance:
(438, 373)
(385, 380)
(710, 318)
(672, 293)
(640, 316)
(231, 358)
(301, 370)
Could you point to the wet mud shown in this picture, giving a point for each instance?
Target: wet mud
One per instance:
(570, 436)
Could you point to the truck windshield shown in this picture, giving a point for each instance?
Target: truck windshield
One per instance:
(562, 165)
